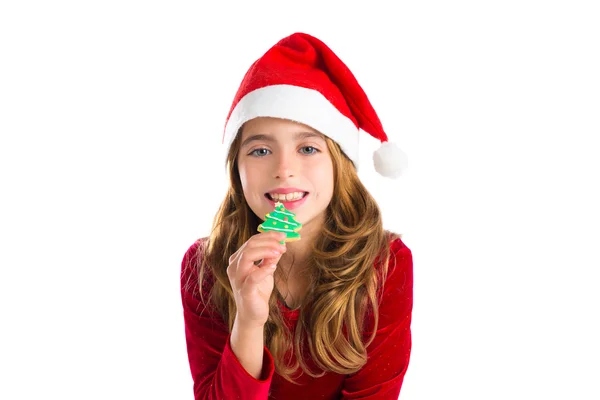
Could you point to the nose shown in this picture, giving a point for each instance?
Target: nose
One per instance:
(285, 166)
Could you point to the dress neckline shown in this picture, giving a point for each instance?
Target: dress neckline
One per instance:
(287, 310)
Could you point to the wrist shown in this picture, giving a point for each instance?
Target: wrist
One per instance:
(247, 343)
(248, 326)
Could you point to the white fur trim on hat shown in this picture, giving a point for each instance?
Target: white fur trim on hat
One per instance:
(299, 104)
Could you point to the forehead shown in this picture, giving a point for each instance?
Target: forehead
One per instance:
(277, 130)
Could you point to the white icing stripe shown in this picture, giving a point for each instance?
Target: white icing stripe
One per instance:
(268, 228)
(287, 213)
(285, 222)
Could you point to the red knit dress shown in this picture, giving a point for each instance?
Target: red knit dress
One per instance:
(217, 373)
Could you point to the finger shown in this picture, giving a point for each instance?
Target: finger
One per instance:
(262, 239)
(267, 237)
(233, 263)
(259, 274)
(235, 255)
(265, 262)
(275, 234)
(269, 242)
(253, 255)
(245, 261)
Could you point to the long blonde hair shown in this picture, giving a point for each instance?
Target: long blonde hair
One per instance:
(344, 281)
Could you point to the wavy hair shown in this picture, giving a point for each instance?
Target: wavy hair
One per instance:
(344, 282)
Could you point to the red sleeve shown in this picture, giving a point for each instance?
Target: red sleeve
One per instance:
(389, 354)
(216, 371)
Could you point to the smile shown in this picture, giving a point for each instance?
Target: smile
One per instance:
(286, 197)
(290, 201)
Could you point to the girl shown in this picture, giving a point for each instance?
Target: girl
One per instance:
(325, 317)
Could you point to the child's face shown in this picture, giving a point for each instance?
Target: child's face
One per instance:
(277, 153)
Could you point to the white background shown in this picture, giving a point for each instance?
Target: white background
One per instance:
(111, 115)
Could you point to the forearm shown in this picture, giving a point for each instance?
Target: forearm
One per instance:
(247, 344)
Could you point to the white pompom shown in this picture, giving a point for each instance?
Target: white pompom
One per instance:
(389, 160)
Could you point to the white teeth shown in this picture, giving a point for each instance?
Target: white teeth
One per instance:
(287, 197)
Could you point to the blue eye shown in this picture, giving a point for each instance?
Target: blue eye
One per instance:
(263, 152)
(254, 152)
(310, 147)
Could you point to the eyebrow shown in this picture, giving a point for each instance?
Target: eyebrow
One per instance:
(269, 138)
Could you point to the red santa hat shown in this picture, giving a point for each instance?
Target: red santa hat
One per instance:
(301, 79)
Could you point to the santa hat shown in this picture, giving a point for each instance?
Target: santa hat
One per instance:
(301, 79)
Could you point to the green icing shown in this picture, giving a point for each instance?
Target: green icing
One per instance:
(281, 220)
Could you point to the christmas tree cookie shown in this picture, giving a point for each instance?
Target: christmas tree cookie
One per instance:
(282, 220)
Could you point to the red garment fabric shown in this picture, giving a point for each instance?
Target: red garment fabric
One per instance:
(217, 373)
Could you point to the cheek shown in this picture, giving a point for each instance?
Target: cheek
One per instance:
(330, 179)
(323, 176)
(243, 171)
(249, 175)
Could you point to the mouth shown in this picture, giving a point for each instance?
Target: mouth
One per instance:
(286, 198)
(289, 201)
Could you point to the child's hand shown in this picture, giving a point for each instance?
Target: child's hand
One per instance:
(250, 272)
